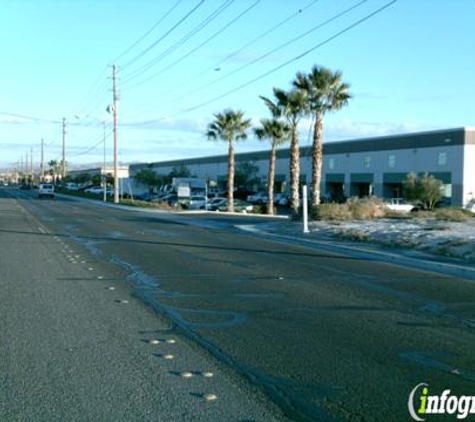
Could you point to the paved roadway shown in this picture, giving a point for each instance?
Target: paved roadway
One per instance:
(287, 329)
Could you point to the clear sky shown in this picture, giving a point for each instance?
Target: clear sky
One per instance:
(410, 68)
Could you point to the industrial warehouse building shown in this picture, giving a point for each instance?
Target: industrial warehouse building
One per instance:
(370, 166)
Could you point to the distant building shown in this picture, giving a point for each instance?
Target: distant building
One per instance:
(123, 172)
(369, 166)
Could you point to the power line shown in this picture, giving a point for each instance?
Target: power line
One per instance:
(35, 119)
(259, 37)
(180, 42)
(280, 47)
(93, 147)
(150, 47)
(91, 94)
(305, 53)
(222, 29)
(275, 69)
(148, 32)
(216, 65)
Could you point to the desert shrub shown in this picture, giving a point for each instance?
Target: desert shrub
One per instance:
(330, 212)
(426, 189)
(354, 208)
(452, 214)
(366, 208)
(261, 209)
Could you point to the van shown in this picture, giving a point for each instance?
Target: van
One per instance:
(46, 189)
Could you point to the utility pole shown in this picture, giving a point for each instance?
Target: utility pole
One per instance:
(63, 161)
(104, 172)
(42, 160)
(26, 166)
(114, 114)
(31, 164)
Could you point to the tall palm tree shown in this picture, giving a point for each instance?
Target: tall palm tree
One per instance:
(291, 106)
(325, 92)
(229, 126)
(277, 132)
(55, 169)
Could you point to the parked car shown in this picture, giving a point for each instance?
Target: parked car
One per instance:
(46, 189)
(278, 197)
(258, 198)
(146, 196)
(95, 189)
(170, 199)
(239, 206)
(399, 205)
(215, 203)
(197, 202)
(71, 186)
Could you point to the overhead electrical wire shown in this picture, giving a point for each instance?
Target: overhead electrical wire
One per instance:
(258, 38)
(287, 43)
(93, 147)
(97, 87)
(305, 53)
(148, 32)
(180, 42)
(275, 69)
(222, 29)
(234, 53)
(150, 47)
(35, 119)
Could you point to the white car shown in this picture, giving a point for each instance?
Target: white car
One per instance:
(95, 189)
(197, 202)
(46, 189)
(257, 198)
(399, 205)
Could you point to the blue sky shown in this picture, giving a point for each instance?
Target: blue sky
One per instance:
(410, 68)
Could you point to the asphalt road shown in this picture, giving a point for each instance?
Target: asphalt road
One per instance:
(287, 329)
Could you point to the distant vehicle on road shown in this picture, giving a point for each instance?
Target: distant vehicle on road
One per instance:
(46, 189)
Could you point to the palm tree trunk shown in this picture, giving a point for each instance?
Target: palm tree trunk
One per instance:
(270, 181)
(317, 159)
(294, 170)
(231, 177)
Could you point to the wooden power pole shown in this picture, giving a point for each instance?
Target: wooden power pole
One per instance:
(42, 176)
(114, 114)
(63, 161)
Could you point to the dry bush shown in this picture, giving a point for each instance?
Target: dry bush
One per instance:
(331, 212)
(451, 214)
(366, 208)
(354, 208)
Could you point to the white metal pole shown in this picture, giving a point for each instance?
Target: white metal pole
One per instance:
(305, 209)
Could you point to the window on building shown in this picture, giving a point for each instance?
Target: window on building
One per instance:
(367, 162)
(331, 163)
(391, 161)
(442, 158)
